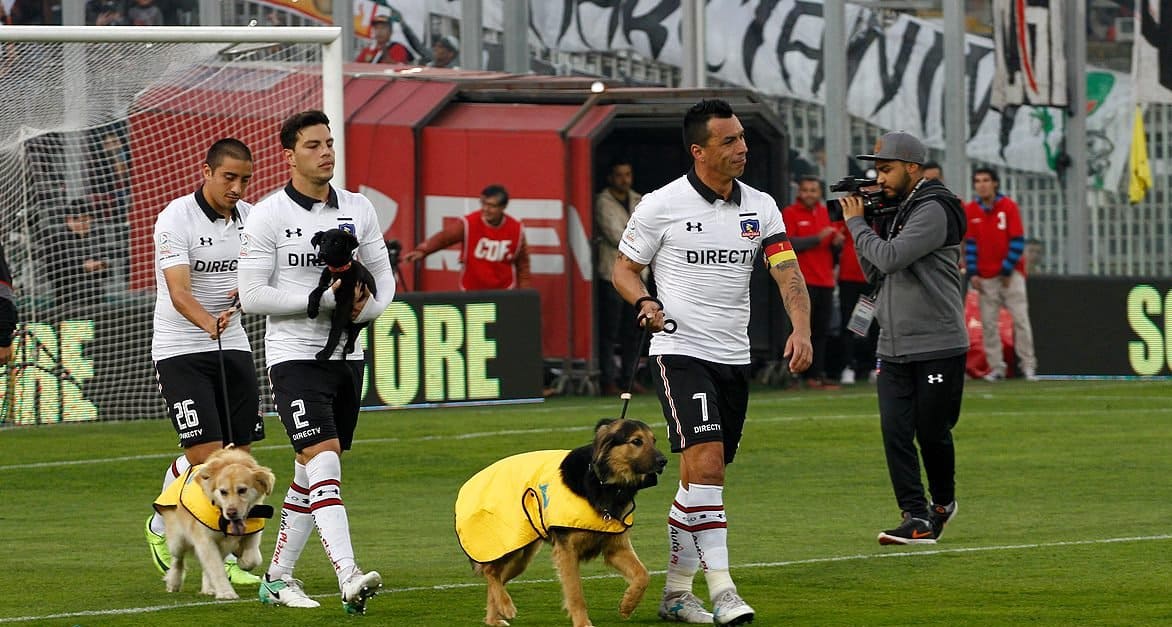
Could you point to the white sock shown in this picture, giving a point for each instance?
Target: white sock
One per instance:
(296, 525)
(710, 529)
(174, 471)
(684, 560)
(329, 513)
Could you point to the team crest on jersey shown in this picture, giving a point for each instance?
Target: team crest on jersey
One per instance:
(348, 227)
(750, 228)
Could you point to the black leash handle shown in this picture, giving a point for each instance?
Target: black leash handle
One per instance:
(227, 416)
(669, 327)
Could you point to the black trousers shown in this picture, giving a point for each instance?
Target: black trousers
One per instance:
(858, 352)
(821, 313)
(919, 402)
(616, 325)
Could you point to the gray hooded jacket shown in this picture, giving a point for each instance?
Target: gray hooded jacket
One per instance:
(920, 307)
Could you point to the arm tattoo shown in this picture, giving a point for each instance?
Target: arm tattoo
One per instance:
(793, 288)
(625, 262)
(623, 259)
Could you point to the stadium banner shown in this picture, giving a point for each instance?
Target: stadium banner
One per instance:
(438, 348)
(895, 71)
(1151, 60)
(1132, 326)
(1029, 53)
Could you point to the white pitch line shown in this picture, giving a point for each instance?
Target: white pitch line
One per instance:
(543, 430)
(455, 586)
(422, 438)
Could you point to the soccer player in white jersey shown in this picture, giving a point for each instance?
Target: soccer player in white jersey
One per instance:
(318, 401)
(700, 234)
(197, 243)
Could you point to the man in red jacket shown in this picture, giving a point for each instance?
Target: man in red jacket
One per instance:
(996, 269)
(815, 241)
(858, 352)
(494, 254)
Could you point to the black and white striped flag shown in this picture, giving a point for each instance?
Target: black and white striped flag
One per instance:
(1029, 50)
(1152, 55)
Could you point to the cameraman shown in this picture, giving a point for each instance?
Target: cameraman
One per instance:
(913, 253)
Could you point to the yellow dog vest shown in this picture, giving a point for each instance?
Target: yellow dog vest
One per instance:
(517, 500)
(187, 492)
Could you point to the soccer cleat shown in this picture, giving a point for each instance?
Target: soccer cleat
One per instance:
(158, 545)
(1030, 374)
(681, 606)
(728, 608)
(358, 588)
(993, 377)
(911, 531)
(238, 576)
(939, 515)
(285, 591)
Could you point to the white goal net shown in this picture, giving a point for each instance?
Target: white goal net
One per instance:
(96, 137)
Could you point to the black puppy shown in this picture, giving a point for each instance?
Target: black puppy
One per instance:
(336, 250)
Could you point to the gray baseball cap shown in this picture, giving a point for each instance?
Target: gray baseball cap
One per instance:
(898, 146)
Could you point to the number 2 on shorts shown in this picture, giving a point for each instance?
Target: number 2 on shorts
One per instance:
(298, 411)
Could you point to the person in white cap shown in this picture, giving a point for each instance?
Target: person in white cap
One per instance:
(912, 251)
(444, 52)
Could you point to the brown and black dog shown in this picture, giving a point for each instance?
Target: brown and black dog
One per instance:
(580, 501)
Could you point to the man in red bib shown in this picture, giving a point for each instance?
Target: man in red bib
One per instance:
(815, 241)
(494, 254)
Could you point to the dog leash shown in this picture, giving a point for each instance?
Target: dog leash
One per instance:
(669, 327)
(227, 416)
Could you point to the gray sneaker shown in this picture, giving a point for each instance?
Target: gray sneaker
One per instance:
(681, 606)
(730, 609)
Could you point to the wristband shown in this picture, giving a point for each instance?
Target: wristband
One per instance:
(642, 299)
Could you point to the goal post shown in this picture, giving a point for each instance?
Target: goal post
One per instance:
(328, 37)
(100, 127)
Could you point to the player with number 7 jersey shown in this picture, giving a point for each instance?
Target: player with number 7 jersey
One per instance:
(701, 235)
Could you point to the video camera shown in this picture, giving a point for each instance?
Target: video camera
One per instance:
(875, 204)
(394, 248)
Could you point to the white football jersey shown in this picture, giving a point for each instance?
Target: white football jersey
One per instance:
(276, 244)
(189, 232)
(701, 250)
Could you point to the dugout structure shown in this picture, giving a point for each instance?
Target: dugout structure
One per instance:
(426, 142)
(79, 194)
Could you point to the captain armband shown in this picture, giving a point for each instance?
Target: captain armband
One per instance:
(778, 250)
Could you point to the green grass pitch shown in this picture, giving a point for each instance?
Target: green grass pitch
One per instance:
(1065, 516)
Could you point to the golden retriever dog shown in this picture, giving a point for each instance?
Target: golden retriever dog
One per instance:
(213, 510)
(580, 501)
